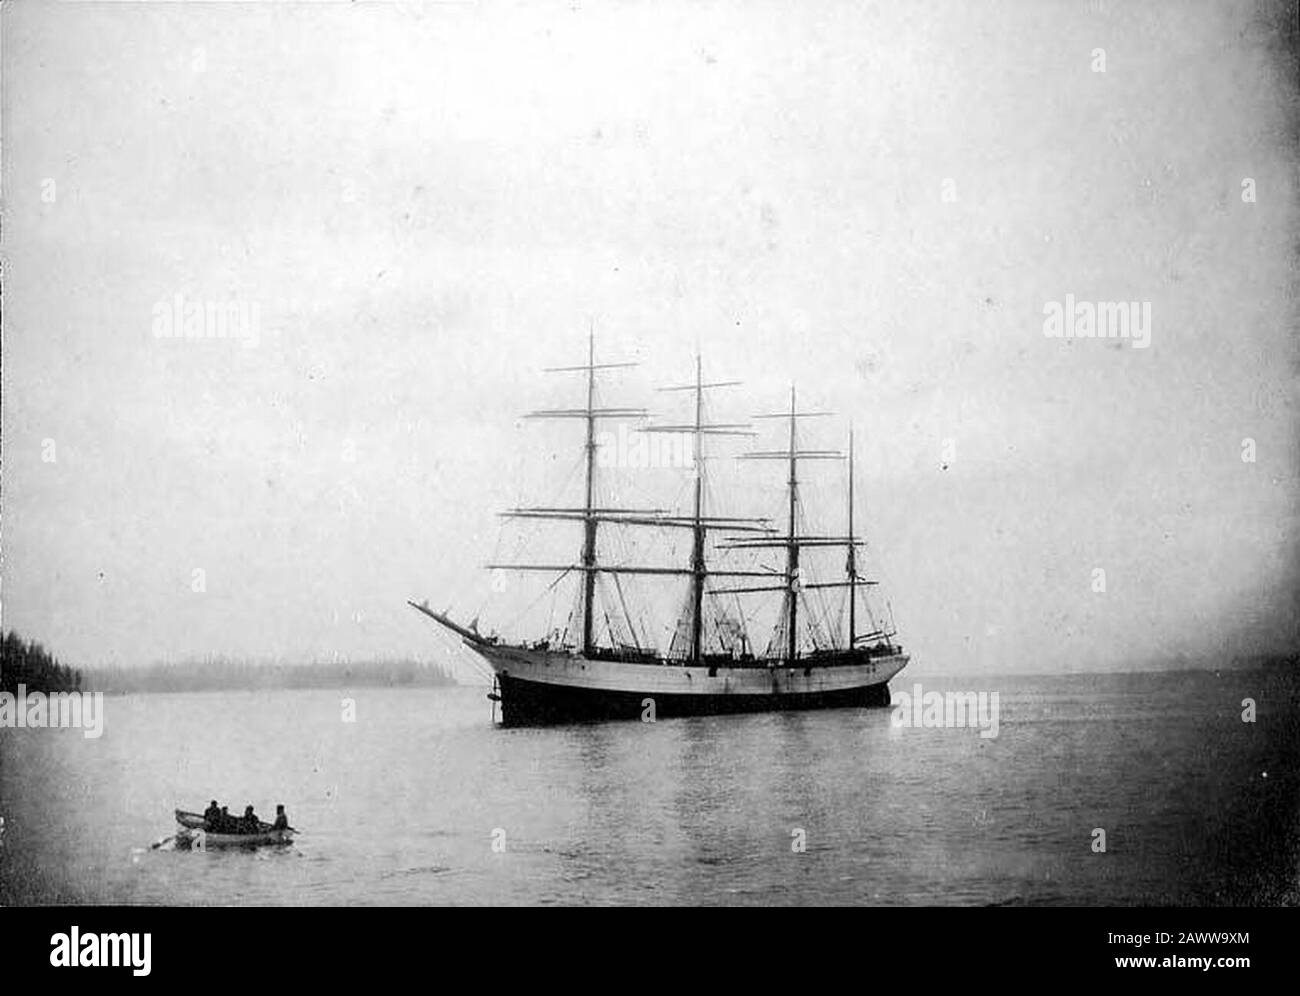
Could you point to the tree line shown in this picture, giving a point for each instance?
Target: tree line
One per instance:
(34, 667)
(31, 665)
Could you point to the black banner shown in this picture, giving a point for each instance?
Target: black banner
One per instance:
(264, 946)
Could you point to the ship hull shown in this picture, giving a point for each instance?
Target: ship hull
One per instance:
(539, 687)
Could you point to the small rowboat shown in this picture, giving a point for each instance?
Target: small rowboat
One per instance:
(193, 833)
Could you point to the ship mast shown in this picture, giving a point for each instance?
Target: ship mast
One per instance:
(589, 521)
(793, 541)
(792, 549)
(589, 514)
(697, 549)
(852, 558)
(700, 523)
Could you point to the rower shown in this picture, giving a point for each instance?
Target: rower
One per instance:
(227, 822)
(281, 820)
(250, 821)
(211, 815)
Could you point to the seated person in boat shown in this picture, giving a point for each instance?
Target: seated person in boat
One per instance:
(226, 824)
(281, 820)
(249, 823)
(212, 815)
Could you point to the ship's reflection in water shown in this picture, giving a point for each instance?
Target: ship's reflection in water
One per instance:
(422, 801)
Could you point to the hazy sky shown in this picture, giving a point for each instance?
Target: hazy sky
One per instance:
(427, 204)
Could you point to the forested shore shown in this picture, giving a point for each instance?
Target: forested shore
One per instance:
(29, 664)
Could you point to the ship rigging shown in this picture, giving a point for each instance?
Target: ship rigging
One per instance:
(811, 659)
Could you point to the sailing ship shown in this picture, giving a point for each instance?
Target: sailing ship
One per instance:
(813, 659)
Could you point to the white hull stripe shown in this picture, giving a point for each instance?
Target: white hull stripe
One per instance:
(574, 671)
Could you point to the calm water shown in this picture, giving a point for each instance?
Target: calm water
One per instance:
(400, 807)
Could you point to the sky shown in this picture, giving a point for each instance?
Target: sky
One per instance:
(418, 207)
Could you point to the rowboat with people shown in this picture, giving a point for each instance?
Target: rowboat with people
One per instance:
(199, 831)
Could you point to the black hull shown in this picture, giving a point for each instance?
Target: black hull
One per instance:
(531, 703)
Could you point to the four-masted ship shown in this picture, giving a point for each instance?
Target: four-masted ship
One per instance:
(580, 674)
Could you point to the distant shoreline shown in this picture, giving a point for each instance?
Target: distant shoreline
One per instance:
(341, 687)
(240, 676)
